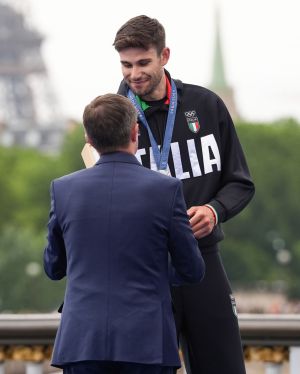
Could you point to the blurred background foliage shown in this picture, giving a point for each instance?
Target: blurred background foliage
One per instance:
(261, 246)
(262, 243)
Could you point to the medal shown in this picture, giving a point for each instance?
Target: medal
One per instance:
(160, 154)
(165, 172)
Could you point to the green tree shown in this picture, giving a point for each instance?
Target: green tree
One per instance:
(269, 223)
(70, 158)
(23, 284)
(30, 179)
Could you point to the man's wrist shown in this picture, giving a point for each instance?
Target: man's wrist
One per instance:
(215, 214)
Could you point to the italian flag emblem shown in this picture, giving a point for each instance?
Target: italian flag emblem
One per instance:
(194, 126)
(192, 120)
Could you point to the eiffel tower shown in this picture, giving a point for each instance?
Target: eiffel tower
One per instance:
(29, 113)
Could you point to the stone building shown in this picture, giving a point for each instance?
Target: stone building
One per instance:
(219, 82)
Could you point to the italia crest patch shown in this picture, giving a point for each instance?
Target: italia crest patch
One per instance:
(192, 121)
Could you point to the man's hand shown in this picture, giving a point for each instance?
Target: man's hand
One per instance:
(202, 220)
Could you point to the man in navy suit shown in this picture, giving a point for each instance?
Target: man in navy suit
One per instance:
(111, 230)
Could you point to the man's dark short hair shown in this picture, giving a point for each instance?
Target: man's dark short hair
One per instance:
(141, 32)
(108, 121)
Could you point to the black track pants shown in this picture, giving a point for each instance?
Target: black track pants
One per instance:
(205, 318)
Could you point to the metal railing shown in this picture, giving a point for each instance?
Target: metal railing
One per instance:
(272, 339)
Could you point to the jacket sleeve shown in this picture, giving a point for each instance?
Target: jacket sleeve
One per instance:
(188, 265)
(55, 263)
(237, 188)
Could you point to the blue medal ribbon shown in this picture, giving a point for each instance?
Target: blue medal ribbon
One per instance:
(160, 157)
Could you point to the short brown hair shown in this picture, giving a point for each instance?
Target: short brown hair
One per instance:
(141, 32)
(108, 121)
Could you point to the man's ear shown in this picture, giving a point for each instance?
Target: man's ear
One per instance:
(87, 139)
(134, 133)
(165, 55)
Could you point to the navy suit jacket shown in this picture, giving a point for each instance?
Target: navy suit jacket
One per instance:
(110, 230)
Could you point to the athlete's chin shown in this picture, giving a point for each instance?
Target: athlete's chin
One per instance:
(139, 89)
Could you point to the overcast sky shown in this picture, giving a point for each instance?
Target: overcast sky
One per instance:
(261, 48)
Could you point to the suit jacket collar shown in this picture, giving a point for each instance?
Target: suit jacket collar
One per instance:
(118, 157)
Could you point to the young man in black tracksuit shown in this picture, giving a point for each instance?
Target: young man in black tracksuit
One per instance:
(200, 147)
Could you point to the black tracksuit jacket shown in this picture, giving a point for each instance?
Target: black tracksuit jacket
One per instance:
(207, 157)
